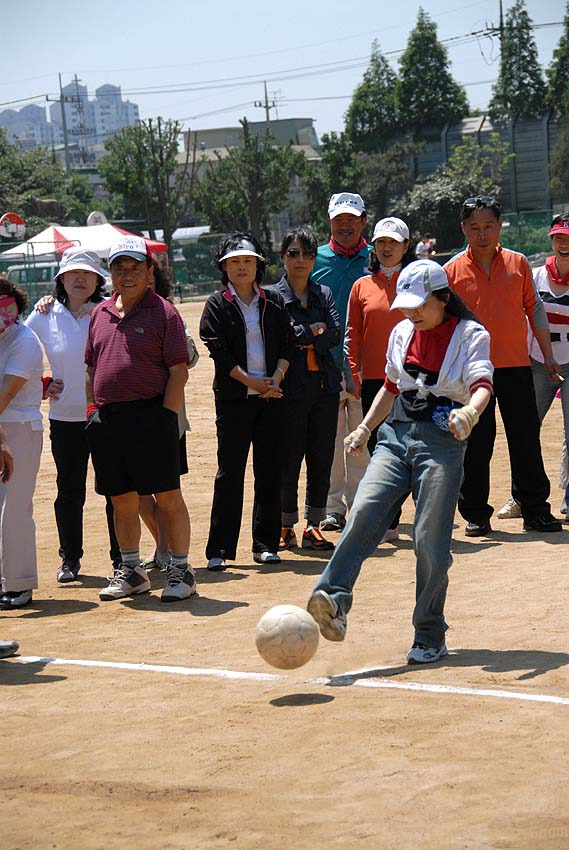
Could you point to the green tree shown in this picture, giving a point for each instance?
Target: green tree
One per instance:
(559, 164)
(241, 190)
(372, 116)
(434, 203)
(386, 176)
(145, 178)
(427, 94)
(519, 89)
(339, 170)
(558, 71)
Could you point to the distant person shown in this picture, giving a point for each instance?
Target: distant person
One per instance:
(425, 248)
(248, 334)
(497, 285)
(338, 265)
(137, 367)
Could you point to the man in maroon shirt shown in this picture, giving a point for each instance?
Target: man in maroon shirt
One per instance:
(137, 356)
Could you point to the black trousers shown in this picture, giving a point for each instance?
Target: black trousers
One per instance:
(241, 424)
(309, 433)
(70, 452)
(514, 392)
(370, 388)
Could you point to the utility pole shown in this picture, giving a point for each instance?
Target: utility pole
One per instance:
(64, 128)
(501, 33)
(267, 107)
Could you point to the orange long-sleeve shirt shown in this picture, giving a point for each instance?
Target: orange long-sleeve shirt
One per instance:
(501, 301)
(369, 324)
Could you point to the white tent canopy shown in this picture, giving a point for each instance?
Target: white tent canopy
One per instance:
(53, 241)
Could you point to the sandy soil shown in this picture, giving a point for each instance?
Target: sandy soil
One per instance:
(100, 757)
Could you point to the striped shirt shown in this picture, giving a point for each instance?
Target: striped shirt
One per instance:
(557, 310)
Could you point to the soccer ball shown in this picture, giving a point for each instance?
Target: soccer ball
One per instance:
(286, 636)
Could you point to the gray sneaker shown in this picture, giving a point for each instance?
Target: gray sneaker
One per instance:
(420, 653)
(333, 522)
(331, 620)
(181, 584)
(8, 648)
(126, 582)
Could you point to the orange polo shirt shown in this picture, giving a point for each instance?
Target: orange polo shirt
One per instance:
(369, 325)
(500, 301)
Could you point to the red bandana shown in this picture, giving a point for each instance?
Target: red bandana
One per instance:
(345, 252)
(553, 273)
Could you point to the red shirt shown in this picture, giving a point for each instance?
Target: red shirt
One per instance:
(131, 356)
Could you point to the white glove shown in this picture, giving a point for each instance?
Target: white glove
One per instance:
(462, 420)
(358, 438)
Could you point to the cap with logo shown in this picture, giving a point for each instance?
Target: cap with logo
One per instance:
(128, 246)
(561, 227)
(346, 202)
(75, 259)
(393, 228)
(245, 248)
(417, 282)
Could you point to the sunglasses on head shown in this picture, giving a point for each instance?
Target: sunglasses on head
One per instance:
(294, 254)
(479, 201)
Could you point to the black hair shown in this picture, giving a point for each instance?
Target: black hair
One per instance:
(162, 282)
(374, 265)
(454, 305)
(562, 218)
(480, 202)
(303, 234)
(229, 243)
(61, 295)
(7, 288)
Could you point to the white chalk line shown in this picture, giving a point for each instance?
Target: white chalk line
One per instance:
(339, 680)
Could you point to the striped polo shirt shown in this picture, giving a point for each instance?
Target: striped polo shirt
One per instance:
(557, 310)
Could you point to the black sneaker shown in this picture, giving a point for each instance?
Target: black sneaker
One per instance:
(15, 599)
(544, 522)
(477, 529)
(68, 570)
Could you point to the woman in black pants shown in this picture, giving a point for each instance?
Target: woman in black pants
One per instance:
(311, 388)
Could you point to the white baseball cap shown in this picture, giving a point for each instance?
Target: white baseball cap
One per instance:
(244, 249)
(128, 245)
(346, 202)
(417, 282)
(393, 228)
(74, 259)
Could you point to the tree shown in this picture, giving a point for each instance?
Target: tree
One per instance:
(434, 203)
(427, 95)
(559, 165)
(34, 184)
(519, 89)
(558, 71)
(241, 190)
(372, 116)
(339, 170)
(386, 176)
(142, 172)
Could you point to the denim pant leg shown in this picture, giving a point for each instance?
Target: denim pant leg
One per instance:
(437, 461)
(386, 483)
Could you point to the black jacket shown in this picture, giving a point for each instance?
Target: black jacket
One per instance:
(222, 329)
(320, 307)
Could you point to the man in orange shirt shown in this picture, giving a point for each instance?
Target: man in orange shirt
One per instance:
(497, 285)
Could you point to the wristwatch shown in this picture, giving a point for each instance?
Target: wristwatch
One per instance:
(320, 329)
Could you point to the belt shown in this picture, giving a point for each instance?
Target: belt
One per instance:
(135, 404)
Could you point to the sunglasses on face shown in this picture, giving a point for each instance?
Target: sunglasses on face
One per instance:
(294, 254)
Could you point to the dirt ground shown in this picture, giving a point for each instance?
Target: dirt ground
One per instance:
(109, 757)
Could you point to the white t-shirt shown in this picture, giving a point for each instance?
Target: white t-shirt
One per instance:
(64, 337)
(21, 355)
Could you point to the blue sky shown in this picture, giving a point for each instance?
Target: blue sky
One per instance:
(224, 50)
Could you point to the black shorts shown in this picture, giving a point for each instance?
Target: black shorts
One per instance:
(183, 455)
(135, 447)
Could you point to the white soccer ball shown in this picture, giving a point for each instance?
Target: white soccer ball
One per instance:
(286, 636)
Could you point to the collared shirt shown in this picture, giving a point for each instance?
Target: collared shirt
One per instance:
(21, 355)
(64, 337)
(501, 301)
(131, 355)
(254, 339)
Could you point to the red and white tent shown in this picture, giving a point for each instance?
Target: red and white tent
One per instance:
(53, 241)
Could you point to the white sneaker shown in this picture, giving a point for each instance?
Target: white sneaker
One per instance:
(126, 582)
(390, 535)
(181, 584)
(156, 562)
(511, 510)
(331, 620)
(422, 654)
(266, 557)
(215, 565)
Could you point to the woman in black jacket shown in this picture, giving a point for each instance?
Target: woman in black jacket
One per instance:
(312, 391)
(249, 337)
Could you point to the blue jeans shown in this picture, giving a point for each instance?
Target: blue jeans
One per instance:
(410, 457)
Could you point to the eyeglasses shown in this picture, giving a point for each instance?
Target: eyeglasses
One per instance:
(294, 254)
(479, 201)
